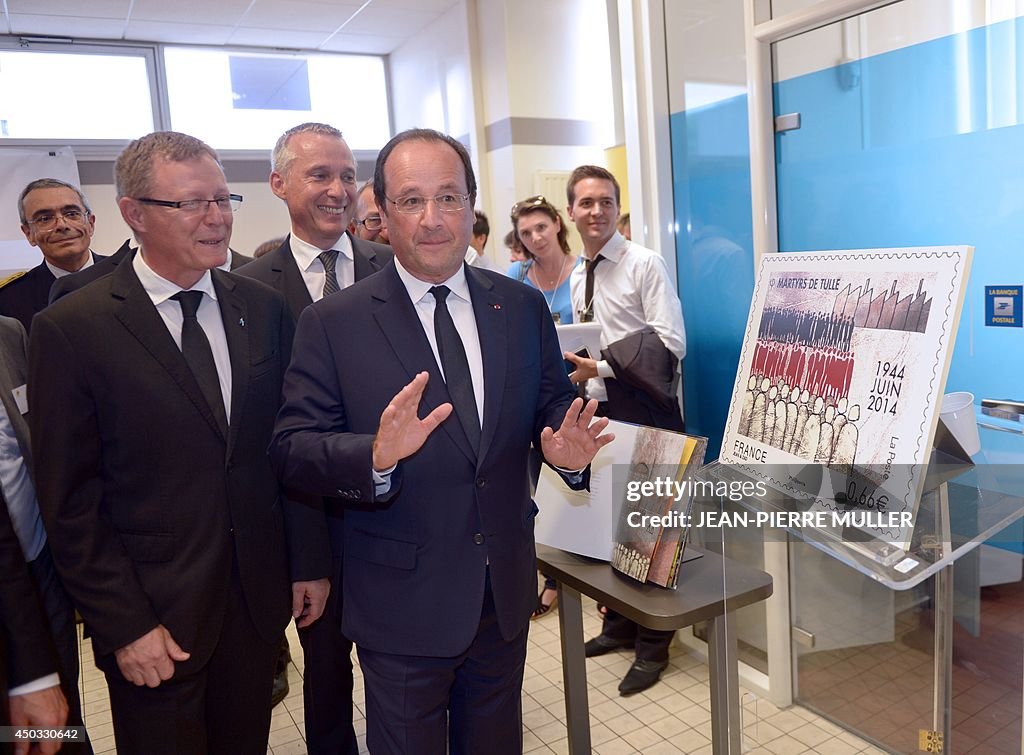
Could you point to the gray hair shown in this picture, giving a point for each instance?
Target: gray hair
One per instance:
(49, 183)
(134, 167)
(281, 158)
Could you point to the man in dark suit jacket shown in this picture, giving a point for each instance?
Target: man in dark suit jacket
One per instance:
(314, 172)
(153, 397)
(19, 495)
(55, 217)
(439, 574)
(106, 265)
(30, 692)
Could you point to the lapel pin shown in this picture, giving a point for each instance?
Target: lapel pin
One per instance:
(496, 306)
(241, 321)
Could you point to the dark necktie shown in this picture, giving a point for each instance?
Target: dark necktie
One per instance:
(330, 260)
(587, 315)
(196, 349)
(456, 367)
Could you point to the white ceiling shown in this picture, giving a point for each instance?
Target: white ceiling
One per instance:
(366, 26)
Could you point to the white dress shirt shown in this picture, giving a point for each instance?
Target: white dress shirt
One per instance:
(460, 306)
(161, 290)
(307, 257)
(632, 291)
(60, 272)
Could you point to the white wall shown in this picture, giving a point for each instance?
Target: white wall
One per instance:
(431, 86)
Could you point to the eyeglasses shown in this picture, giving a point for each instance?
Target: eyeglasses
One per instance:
(371, 222)
(413, 205)
(230, 203)
(48, 220)
(529, 203)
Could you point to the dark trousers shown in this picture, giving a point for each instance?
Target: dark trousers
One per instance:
(468, 704)
(223, 707)
(61, 618)
(628, 404)
(327, 679)
(651, 644)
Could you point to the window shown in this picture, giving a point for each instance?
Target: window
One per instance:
(70, 96)
(245, 100)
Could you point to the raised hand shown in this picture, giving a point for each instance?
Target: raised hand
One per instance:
(579, 438)
(401, 432)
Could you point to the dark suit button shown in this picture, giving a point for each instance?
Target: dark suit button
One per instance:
(478, 539)
(481, 482)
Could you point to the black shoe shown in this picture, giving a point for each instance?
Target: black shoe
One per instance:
(280, 690)
(641, 675)
(602, 644)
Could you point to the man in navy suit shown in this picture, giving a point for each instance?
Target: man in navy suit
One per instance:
(439, 559)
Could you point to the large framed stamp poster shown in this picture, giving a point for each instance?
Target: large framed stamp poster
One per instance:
(843, 366)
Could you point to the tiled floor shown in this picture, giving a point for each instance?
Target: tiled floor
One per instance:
(672, 717)
(886, 689)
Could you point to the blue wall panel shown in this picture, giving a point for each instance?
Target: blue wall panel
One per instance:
(714, 253)
(909, 156)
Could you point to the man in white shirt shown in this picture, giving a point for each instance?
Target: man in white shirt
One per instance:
(626, 289)
(475, 254)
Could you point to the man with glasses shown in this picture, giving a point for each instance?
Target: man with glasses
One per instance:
(154, 391)
(55, 217)
(367, 223)
(439, 579)
(314, 172)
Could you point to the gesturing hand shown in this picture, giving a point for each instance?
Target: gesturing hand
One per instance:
(401, 432)
(579, 438)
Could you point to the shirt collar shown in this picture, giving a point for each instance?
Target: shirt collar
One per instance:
(305, 253)
(615, 248)
(60, 272)
(418, 289)
(160, 289)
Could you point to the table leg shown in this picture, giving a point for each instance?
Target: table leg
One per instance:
(723, 679)
(574, 669)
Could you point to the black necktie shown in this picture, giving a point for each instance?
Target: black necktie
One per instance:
(330, 260)
(456, 367)
(196, 349)
(587, 314)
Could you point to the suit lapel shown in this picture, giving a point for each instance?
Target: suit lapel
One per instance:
(492, 320)
(364, 258)
(234, 314)
(400, 324)
(138, 315)
(289, 280)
